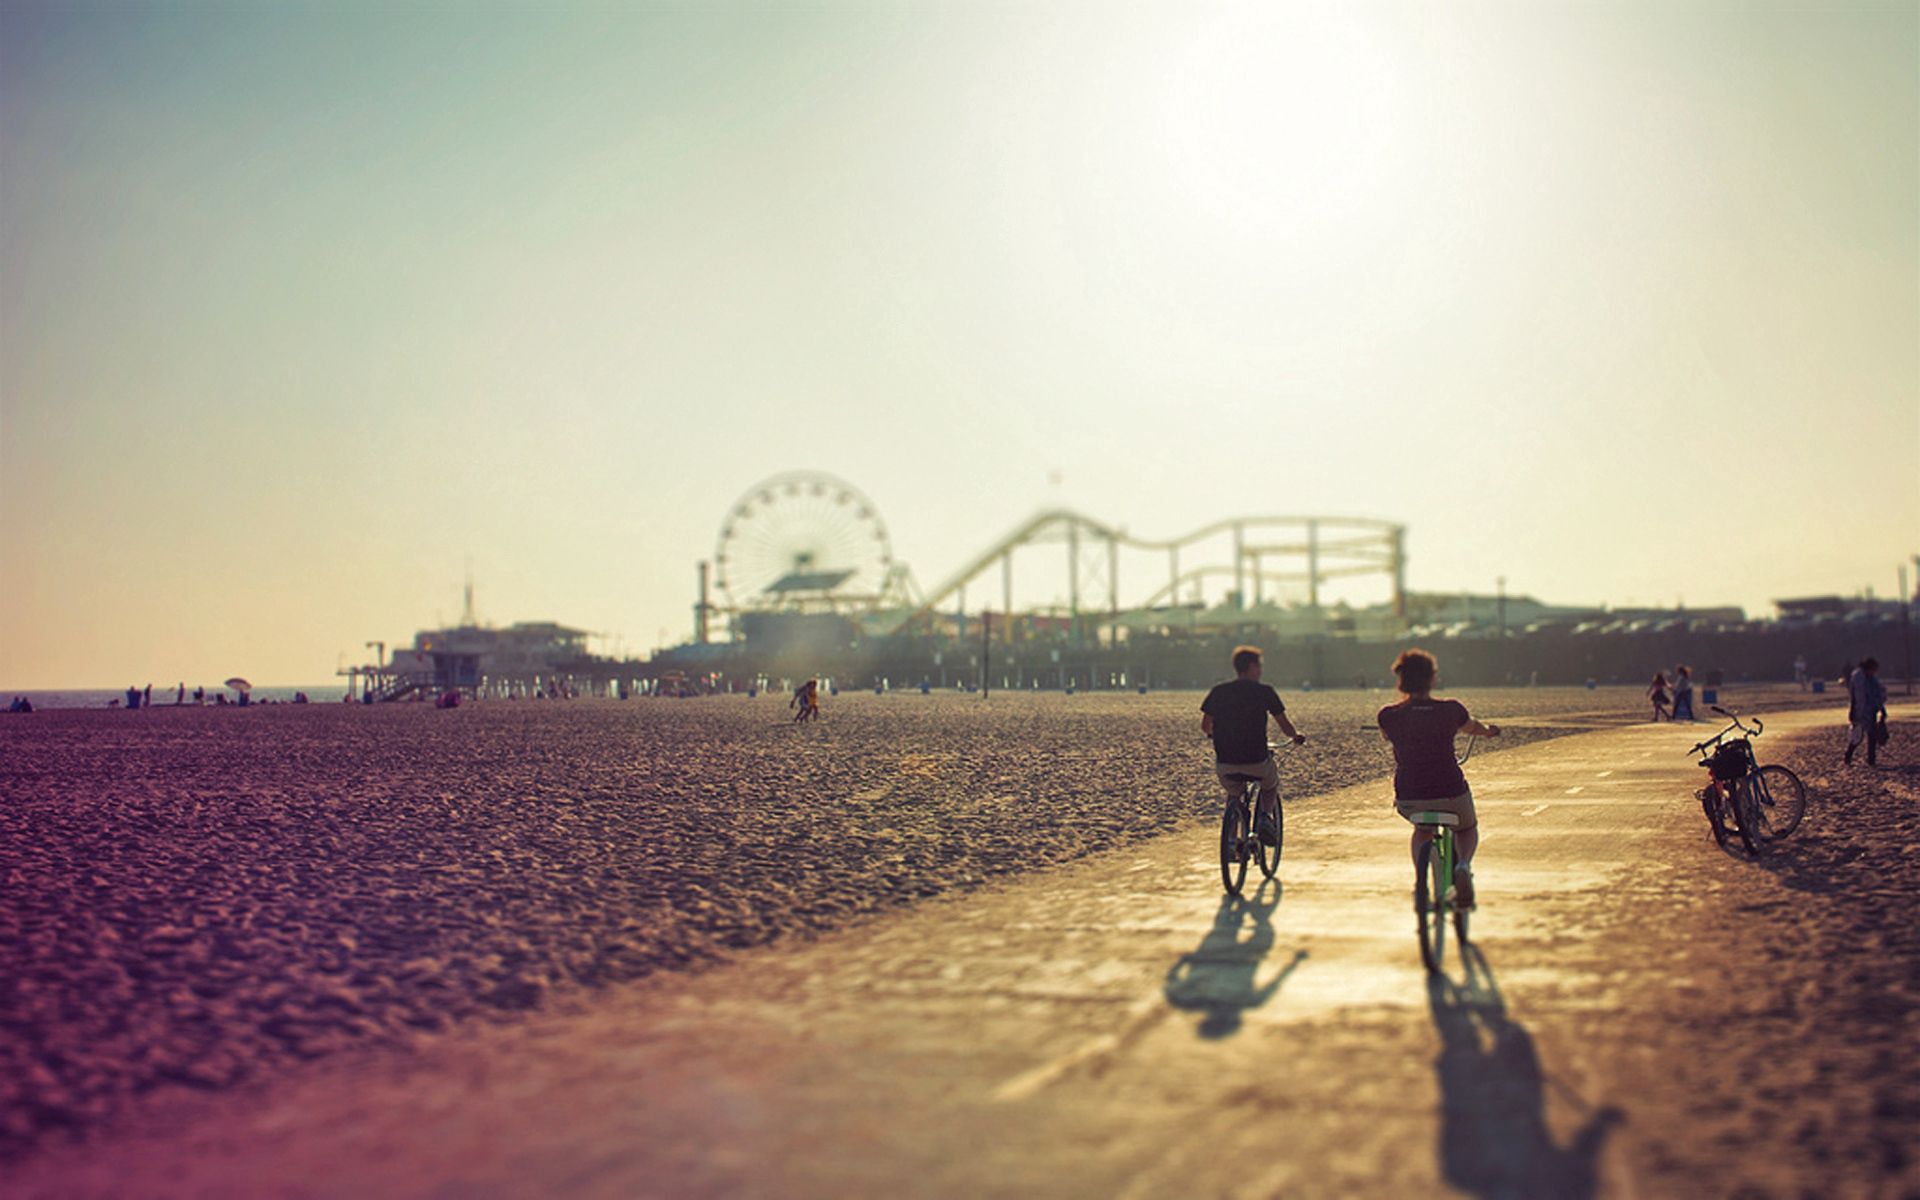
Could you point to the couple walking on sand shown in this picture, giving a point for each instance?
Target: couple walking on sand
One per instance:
(1419, 726)
(1682, 694)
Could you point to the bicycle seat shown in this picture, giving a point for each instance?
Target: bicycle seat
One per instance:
(1239, 778)
(1450, 820)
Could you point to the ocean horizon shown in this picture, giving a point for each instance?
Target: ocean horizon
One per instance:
(318, 693)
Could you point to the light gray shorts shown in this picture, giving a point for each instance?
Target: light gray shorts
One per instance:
(1460, 806)
(1266, 772)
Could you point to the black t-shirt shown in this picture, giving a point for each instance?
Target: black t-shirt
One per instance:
(1422, 733)
(1239, 710)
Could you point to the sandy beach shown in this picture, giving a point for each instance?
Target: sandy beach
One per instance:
(204, 900)
(196, 897)
(1736, 1026)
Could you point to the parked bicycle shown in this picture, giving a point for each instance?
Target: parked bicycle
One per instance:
(1761, 804)
(1434, 900)
(1238, 840)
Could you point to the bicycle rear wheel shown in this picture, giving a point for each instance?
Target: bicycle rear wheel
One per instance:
(1710, 804)
(1746, 815)
(1233, 845)
(1781, 800)
(1270, 855)
(1429, 891)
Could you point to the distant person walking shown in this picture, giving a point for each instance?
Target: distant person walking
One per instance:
(807, 699)
(133, 696)
(1800, 671)
(1657, 693)
(1234, 715)
(1866, 709)
(1683, 693)
(180, 694)
(146, 697)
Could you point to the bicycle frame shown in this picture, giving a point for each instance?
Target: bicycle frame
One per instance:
(1240, 815)
(1721, 796)
(1249, 793)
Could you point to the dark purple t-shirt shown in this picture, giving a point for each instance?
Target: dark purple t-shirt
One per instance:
(1422, 733)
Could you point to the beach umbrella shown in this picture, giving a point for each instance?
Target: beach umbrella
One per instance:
(239, 685)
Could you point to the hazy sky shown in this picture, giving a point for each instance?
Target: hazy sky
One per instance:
(305, 305)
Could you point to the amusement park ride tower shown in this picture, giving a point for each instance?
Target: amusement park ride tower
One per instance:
(807, 544)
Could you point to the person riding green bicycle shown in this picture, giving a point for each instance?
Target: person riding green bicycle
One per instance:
(1426, 775)
(1234, 715)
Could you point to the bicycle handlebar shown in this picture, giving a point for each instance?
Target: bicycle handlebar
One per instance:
(1759, 727)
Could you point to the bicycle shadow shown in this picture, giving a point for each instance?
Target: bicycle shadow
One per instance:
(1494, 1139)
(1217, 977)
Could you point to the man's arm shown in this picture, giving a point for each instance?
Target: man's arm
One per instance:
(1478, 730)
(1287, 728)
(1206, 724)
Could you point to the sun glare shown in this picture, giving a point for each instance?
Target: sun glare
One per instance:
(1277, 120)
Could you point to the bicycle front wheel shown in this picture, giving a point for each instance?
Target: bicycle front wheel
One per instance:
(1780, 801)
(1233, 846)
(1429, 896)
(1270, 855)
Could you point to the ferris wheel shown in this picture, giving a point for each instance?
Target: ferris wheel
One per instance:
(803, 538)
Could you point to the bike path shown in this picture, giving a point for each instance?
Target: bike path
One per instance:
(1112, 1027)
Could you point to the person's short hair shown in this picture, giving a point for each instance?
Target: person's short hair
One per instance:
(1416, 669)
(1244, 657)
(1870, 664)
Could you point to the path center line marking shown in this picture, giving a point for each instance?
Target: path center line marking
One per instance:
(1576, 789)
(1602, 774)
(1536, 810)
(1028, 1082)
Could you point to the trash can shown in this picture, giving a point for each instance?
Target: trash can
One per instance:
(1709, 696)
(1819, 687)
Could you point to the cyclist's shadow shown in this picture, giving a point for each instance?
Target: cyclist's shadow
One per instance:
(1494, 1139)
(1216, 977)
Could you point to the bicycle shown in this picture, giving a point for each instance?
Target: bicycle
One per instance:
(1764, 804)
(1433, 891)
(1239, 841)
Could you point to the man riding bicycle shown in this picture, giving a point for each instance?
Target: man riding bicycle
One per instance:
(1234, 715)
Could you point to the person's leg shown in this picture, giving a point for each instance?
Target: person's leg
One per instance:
(1422, 834)
(1465, 842)
(1230, 787)
(1269, 789)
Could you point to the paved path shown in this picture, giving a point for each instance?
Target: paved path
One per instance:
(1107, 1029)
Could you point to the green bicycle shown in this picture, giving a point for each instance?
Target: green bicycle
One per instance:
(1434, 902)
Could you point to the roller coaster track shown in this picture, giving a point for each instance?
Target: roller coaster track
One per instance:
(1360, 546)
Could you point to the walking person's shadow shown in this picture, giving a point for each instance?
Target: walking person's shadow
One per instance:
(1216, 978)
(1494, 1140)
